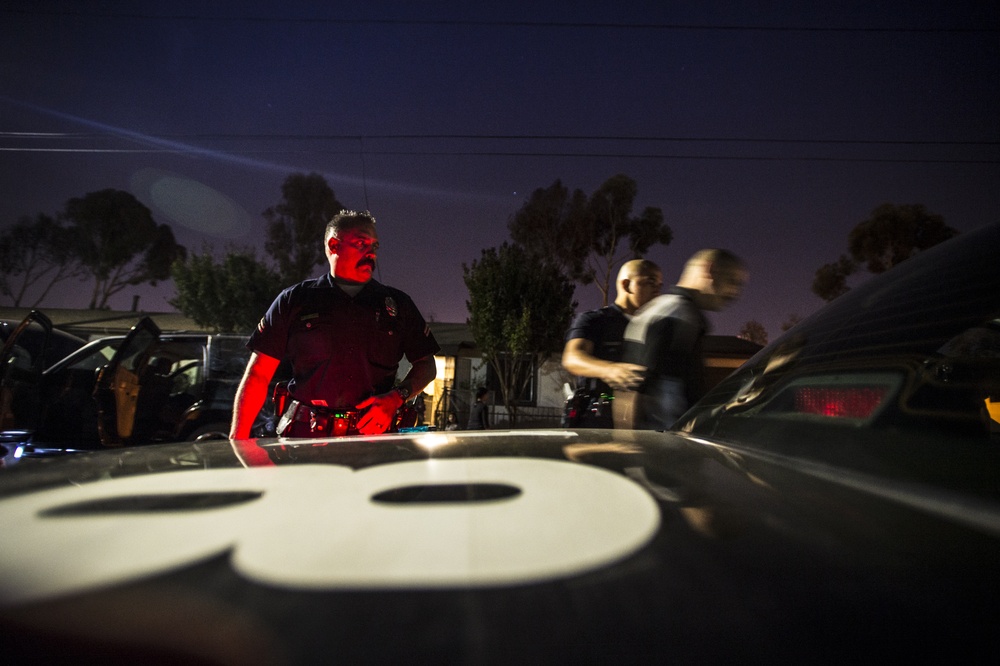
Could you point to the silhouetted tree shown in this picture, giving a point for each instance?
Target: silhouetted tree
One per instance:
(754, 331)
(37, 254)
(519, 309)
(831, 279)
(226, 297)
(554, 224)
(589, 238)
(296, 225)
(890, 235)
(118, 243)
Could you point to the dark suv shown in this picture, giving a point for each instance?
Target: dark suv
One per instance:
(139, 388)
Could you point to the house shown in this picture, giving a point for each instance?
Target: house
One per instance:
(460, 367)
(461, 370)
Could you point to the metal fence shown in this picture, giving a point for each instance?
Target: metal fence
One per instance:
(452, 407)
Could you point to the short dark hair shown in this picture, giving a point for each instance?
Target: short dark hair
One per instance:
(346, 220)
(721, 260)
(481, 392)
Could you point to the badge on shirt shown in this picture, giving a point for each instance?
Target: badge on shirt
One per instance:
(390, 306)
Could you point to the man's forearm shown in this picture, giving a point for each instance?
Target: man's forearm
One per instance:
(249, 399)
(578, 359)
(422, 372)
(251, 394)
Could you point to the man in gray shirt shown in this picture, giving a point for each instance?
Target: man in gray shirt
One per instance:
(665, 337)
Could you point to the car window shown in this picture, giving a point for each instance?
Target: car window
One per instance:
(186, 377)
(97, 358)
(180, 363)
(228, 357)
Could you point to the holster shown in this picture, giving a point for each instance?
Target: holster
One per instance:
(302, 420)
(299, 419)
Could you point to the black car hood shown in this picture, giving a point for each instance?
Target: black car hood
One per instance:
(546, 546)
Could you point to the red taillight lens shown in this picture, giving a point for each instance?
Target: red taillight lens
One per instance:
(857, 402)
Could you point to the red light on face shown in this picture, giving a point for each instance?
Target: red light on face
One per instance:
(857, 402)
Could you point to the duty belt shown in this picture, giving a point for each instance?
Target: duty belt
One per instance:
(322, 421)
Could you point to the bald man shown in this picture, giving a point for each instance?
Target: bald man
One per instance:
(594, 340)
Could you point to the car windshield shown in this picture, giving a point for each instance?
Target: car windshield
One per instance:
(228, 357)
(96, 356)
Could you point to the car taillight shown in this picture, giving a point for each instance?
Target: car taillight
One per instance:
(849, 402)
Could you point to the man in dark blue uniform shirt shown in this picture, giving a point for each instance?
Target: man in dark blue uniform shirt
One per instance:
(344, 335)
(594, 340)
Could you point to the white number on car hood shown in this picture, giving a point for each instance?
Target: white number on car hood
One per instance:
(317, 527)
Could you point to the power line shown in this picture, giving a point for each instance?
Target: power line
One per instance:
(502, 137)
(536, 154)
(677, 27)
(60, 139)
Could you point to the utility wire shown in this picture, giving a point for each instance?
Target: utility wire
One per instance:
(493, 24)
(501, 137)
(33, 139)
(592, 155)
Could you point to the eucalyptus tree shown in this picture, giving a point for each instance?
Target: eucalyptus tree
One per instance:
(890, 235)
(589, 237)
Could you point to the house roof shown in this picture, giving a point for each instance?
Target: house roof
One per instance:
(455, 339)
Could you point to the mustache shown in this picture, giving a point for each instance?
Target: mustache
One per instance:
(366, 261)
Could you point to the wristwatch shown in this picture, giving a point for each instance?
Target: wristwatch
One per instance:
(403, 392)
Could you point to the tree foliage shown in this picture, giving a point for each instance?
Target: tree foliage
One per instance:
(754, 331)
(296, 225)
(118, 243)
(37, 254)
(519, 309)
(891, 234)
(226, 297)
(554, 225)
(588, 238)
(831, 279)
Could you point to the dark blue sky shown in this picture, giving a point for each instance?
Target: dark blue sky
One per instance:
(771, 130)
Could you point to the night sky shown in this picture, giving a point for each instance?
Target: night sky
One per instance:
(770, 128)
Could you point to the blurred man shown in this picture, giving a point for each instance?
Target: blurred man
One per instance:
(665, 337)
(344, 335)
(594, 342)
(479, 415)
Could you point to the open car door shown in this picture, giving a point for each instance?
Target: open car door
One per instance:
(21, 363)
(120, 382)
